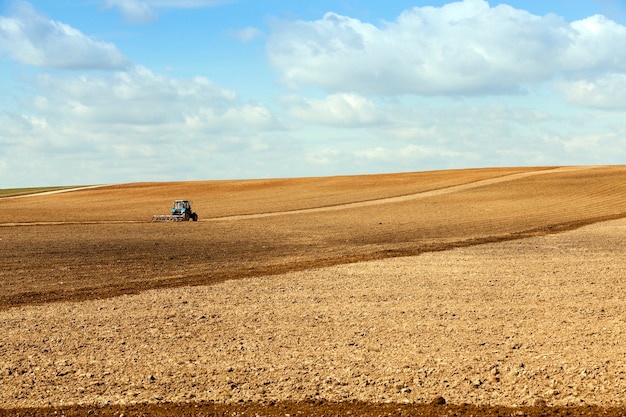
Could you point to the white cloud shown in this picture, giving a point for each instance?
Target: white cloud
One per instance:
(343, 109)
(145, 11)
(592, 46)
(461, 48)
(246, 117)
(247, 34)
(141, 101)
(143, 124)
(607, 92)
(323, 157)
(134, 11)
(187, 4)
(407, 153)
(33, 39)
(135, 97)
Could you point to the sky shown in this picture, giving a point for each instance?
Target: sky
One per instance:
(120, 91)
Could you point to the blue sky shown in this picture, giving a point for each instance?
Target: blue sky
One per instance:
(116, 91)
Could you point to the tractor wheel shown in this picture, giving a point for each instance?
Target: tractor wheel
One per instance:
(195, 217)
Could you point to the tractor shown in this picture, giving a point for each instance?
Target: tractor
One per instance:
(181, 212)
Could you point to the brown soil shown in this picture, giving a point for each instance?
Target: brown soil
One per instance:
(92, 323)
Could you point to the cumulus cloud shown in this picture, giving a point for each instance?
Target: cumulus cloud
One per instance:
(246, 117)
(461, 48)
(33, 39)
(137, 109)
(136, 97)
(343, 109)
(133, 125)
(145, 11)
(606, 92)
(592, 47)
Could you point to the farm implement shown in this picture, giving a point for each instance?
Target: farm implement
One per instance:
(181, 212)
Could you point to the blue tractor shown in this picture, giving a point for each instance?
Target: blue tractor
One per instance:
(181, 212)
(182, 208)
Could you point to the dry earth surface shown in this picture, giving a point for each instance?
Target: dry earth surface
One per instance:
(496, 291)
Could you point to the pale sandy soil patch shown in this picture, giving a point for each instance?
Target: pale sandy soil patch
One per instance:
(513, 323)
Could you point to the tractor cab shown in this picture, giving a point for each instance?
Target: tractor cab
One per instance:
(181, 206)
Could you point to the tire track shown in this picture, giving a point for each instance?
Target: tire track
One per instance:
(408, 197)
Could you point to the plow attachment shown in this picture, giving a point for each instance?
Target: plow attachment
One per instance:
(168, 218)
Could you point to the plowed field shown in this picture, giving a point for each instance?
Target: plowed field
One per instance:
(494, 291)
